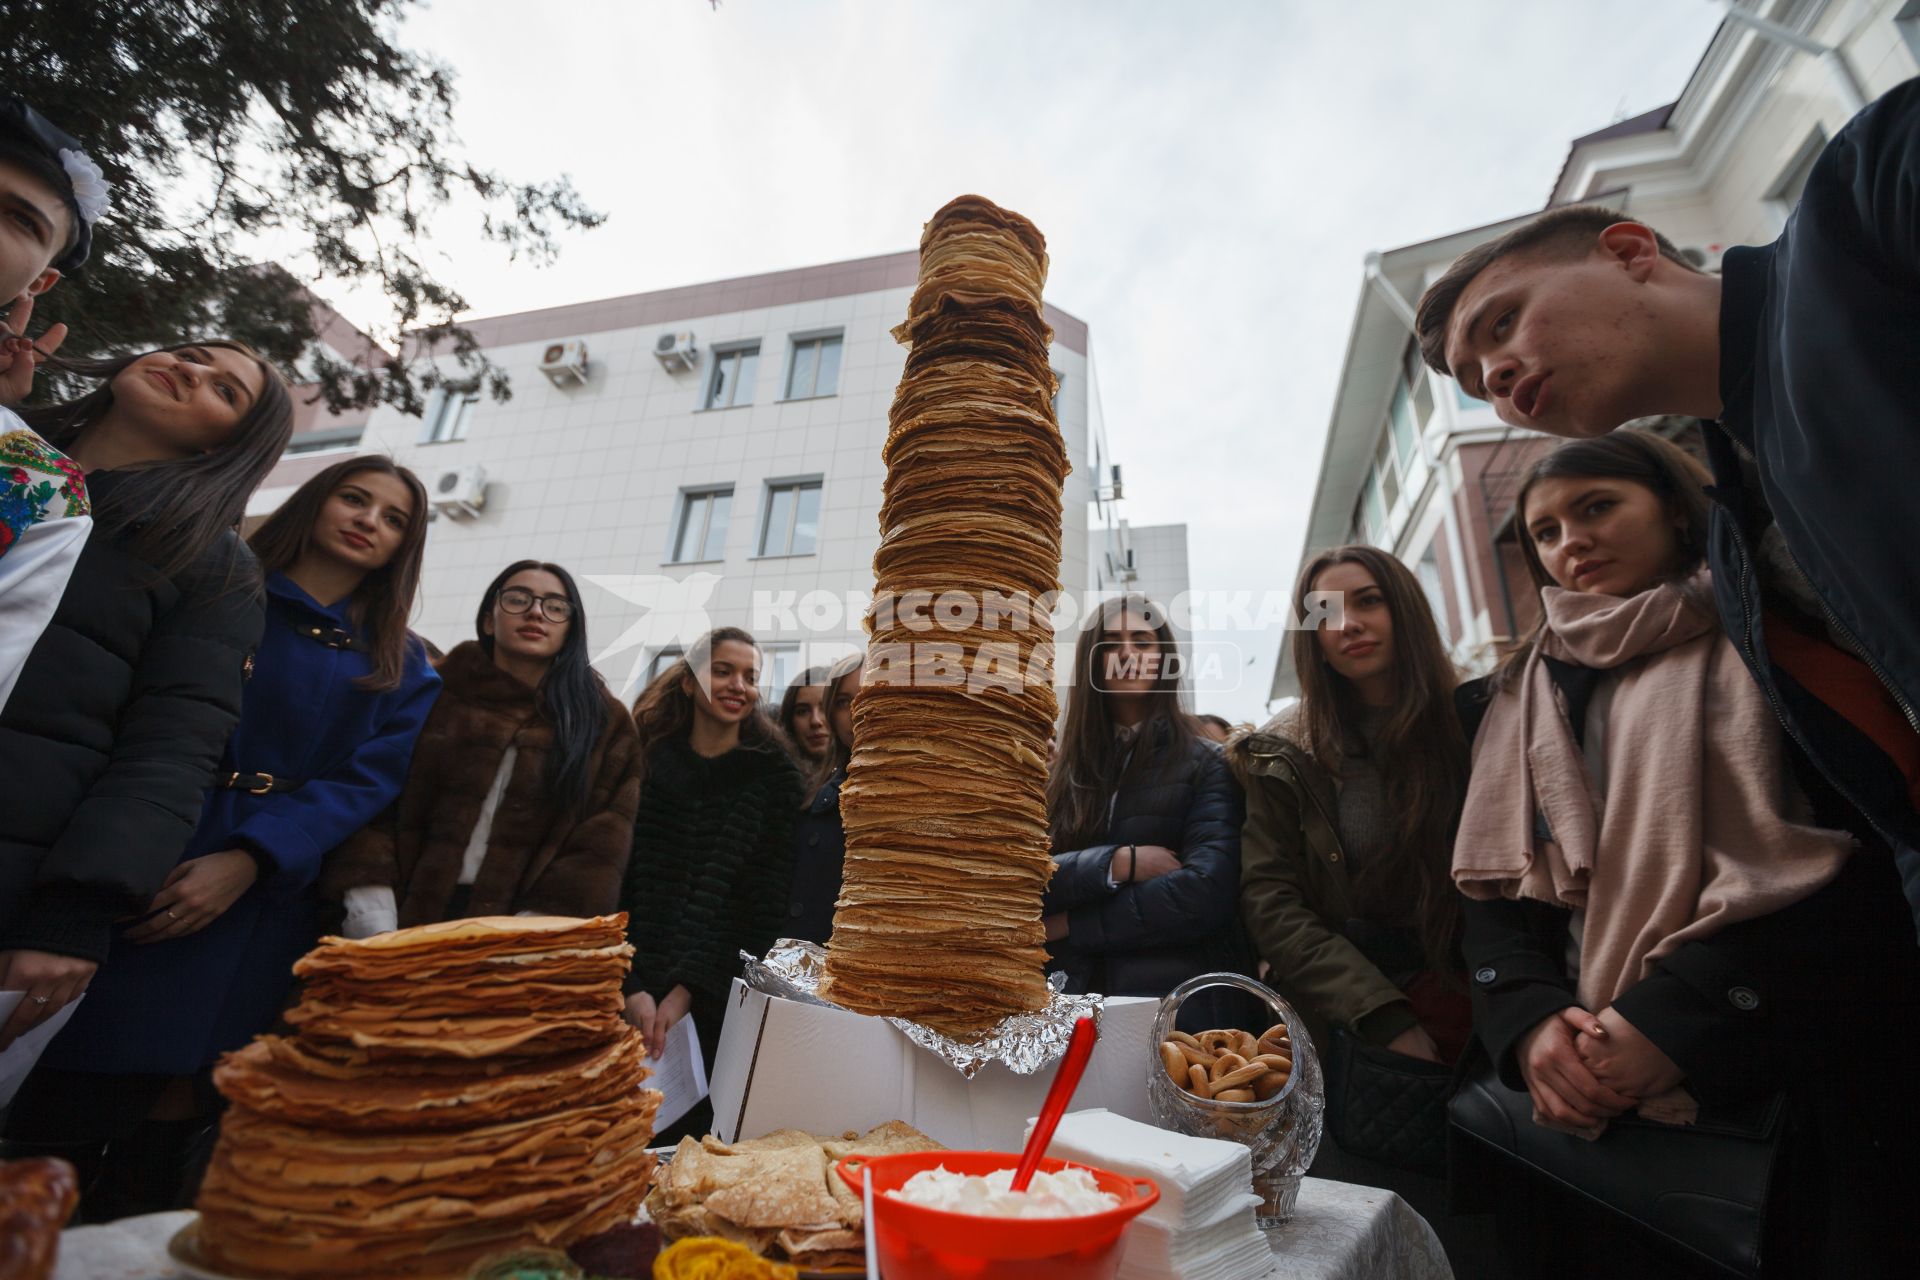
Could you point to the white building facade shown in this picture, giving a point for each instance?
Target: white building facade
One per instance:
(702, 454)
(1413, 466)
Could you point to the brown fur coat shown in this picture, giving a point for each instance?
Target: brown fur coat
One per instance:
(538, 858)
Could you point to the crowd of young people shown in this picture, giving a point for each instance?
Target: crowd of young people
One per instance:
(1625, 930)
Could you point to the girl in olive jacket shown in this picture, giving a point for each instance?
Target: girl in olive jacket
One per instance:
(1346, 876)
(1351, 796)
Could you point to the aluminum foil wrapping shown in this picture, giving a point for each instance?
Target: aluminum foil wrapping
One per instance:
(1023, 1042)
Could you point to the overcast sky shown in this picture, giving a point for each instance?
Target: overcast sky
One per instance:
(1209, 177)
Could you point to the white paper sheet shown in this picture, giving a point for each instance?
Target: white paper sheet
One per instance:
(24, 1052)
(679, 1074)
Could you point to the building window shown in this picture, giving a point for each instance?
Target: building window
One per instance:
(1388, 471)
(1404, 429)
(1408, 413)
(452, 416)
(1419, 387)
(1461, 399)
(1428, 573)
(662, 659)
(1370, 521)
(815, 368)
(732, 380)
(790, 521)
(1059, 385)
(701, 533)
(779, 665)
(1784, 194)
(1907, 21)
(329, 440)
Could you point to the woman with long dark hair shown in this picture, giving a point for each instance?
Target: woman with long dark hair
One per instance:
(803, 718)
(112, 734)
(820, 840)
(1661, 893)
(1145, 820)
(521, 793)
(338, 692)
(1352, 794)
(713, 843)
(1351, 800)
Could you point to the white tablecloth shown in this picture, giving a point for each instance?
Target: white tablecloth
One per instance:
(1339, 1232)
(1344, 1232)
(130, 1249)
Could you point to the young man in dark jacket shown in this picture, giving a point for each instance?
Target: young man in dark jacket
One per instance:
(1803, 356)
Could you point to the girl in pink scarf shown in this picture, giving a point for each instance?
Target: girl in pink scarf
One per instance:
(1667, 816)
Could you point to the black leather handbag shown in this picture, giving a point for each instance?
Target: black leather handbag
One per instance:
(1701, 1189)
(1385, 1106)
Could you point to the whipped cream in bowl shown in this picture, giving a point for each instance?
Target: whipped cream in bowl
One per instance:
(1069, 1193)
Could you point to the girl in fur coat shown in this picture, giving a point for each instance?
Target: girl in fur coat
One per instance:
(521, 794)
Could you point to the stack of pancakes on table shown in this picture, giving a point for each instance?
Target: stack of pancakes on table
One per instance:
(944, 802)
(450, 1090)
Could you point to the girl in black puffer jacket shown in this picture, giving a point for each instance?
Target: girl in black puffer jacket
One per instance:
(109, 740)
(1145, 817)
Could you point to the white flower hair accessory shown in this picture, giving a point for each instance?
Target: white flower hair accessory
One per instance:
(89, 184)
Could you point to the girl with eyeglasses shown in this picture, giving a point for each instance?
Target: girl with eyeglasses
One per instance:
(521, 794)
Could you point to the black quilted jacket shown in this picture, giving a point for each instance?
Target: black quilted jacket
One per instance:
(112, 735)
(1145, 938)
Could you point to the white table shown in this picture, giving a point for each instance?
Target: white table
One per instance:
(130, 1249)
(1344, 1232)
(1339, 1232)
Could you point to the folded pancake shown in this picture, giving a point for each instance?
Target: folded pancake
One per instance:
(778, 1195)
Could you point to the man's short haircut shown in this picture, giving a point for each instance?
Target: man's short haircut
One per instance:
(1565, 234)
(66, 227)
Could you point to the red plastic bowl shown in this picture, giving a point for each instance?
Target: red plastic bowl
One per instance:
(918, 1243)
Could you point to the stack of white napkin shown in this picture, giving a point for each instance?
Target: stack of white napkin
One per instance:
(1203, 1227)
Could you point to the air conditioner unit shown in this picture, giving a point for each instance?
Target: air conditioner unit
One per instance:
(565, 363)
(1706, 257)
(459, 491)
(676, 352)
(1117, 491)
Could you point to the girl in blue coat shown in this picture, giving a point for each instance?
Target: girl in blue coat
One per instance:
(338, 690)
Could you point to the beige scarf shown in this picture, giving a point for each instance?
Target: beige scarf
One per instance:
(1699, 827)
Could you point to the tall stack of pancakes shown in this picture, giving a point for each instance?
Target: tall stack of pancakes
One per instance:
(944, 802)
(449, 1091)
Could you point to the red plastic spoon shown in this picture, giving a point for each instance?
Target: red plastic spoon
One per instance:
(1065, 1081)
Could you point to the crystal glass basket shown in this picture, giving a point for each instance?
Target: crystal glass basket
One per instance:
(1283, 1132)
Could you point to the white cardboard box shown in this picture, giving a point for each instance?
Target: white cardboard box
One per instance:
(782, 1064)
